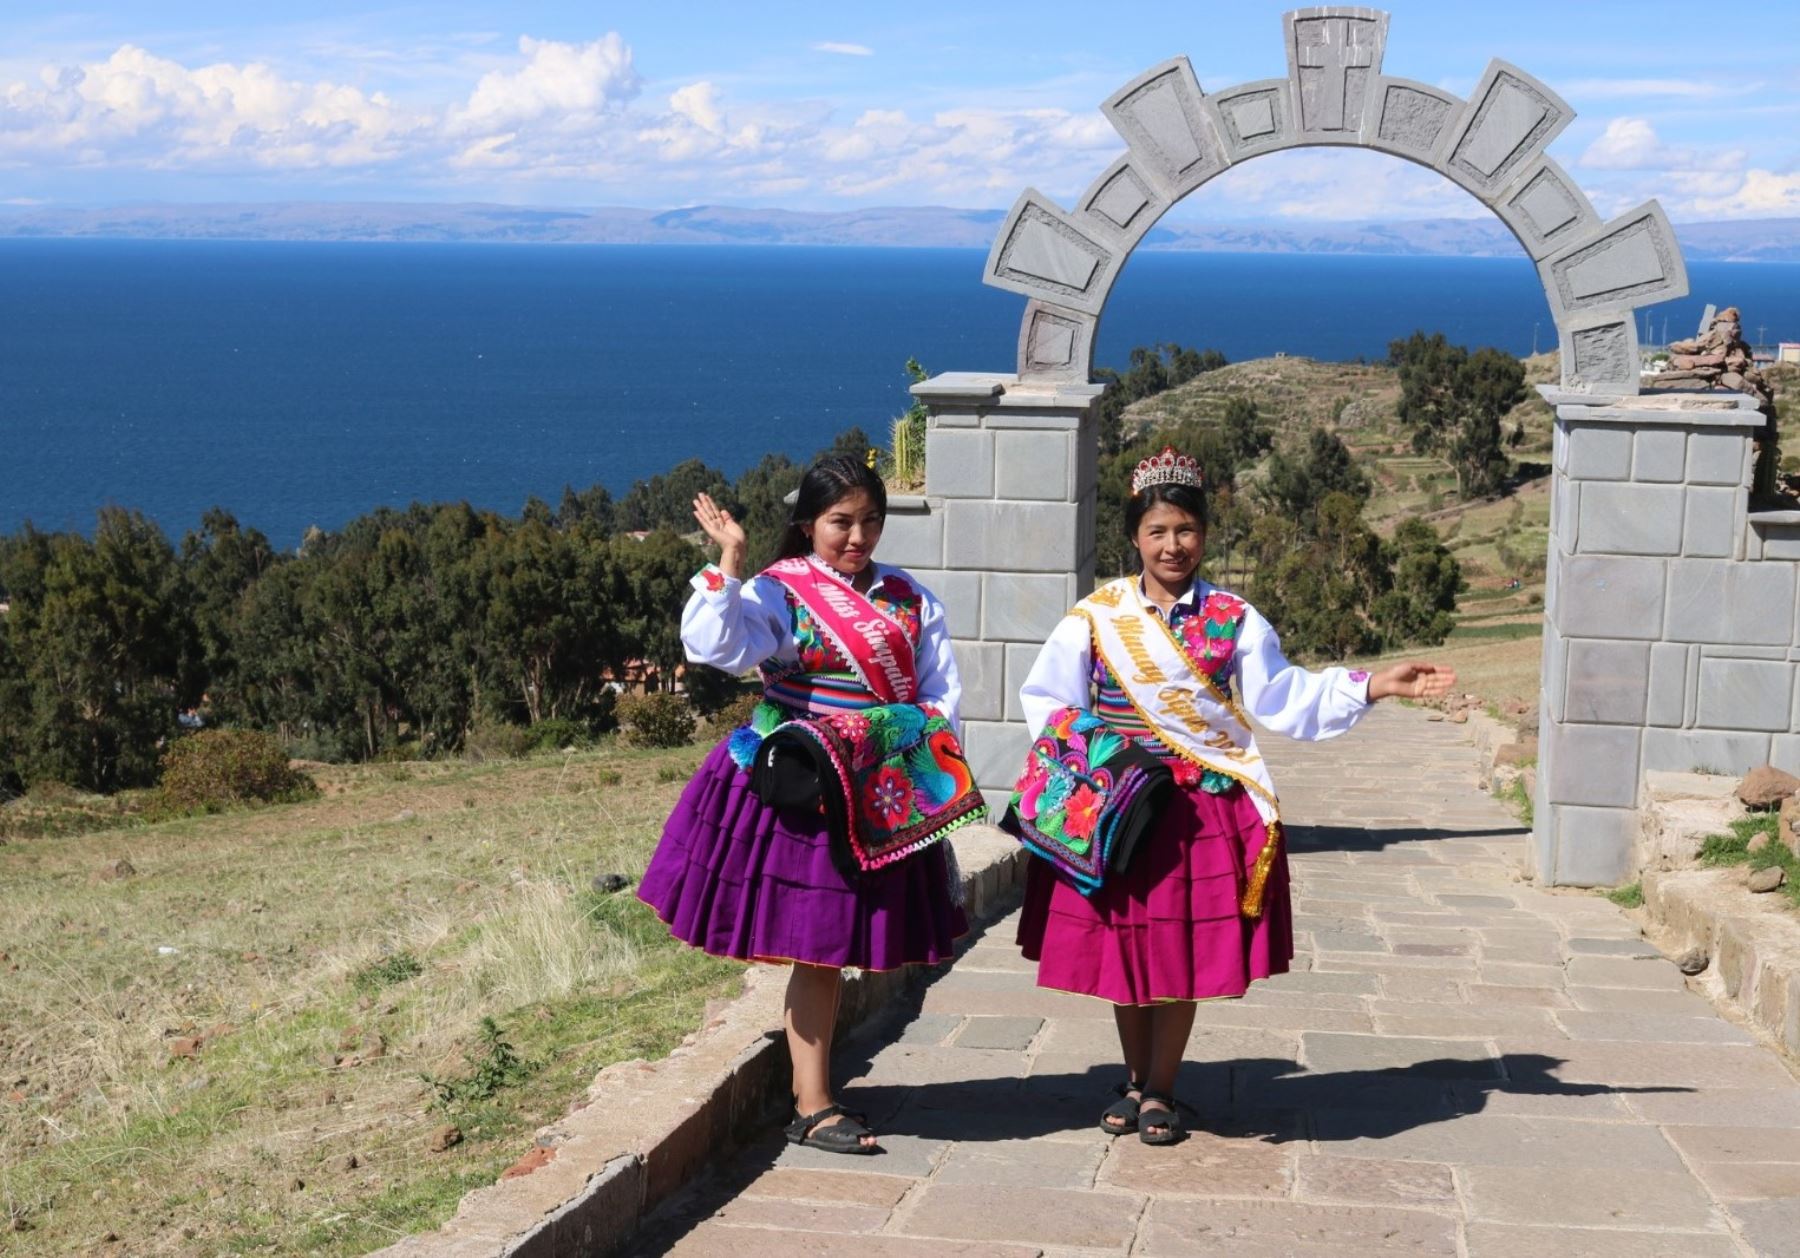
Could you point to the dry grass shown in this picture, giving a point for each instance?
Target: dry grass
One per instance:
(283, 940)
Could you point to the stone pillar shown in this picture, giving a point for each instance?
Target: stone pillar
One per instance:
(1666, 644)
(1004, 535)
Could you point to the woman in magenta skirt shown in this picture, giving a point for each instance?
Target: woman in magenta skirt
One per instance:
(1202, 909)
(831, 631)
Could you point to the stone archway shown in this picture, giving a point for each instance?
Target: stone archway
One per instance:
(1671, 632)
(1595, 275)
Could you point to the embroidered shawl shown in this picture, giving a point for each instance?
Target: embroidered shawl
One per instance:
(1088, 794)
(891, 780)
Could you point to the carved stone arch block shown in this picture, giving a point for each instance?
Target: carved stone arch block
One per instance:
(1121, 204)
(1546, 210)
(1254, 118)
(1041, 253)
(1056, 343)
(1510, 119)
(1334, 62)
(1600, 353)
(1409, 119)
(1161, 116)
(1630, 262)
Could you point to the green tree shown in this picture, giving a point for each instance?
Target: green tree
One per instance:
(1247, 435)
(1296, 485)
(657, 571)
(759, 501)
(549, 623)
(1426, 580)
(97, 631)
(1454, 401)
(219, 562)
(666, 501)
(1490, 383)
(592, 509)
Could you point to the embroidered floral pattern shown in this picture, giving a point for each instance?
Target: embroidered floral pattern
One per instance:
(901, 603)
(1082, 813)
(890, 796)
(1359, 675)
(1209, 633)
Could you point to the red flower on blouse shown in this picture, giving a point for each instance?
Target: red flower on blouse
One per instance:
(896, 589)
(715, 580)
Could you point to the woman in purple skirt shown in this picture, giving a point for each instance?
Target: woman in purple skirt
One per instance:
(831, 631)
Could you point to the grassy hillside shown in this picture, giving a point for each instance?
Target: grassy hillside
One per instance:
(218, 1045)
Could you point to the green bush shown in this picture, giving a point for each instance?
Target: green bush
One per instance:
(735, 713)
(556, 733)
(496, 740)
(219, 768)
(659, 719)
(386, 970)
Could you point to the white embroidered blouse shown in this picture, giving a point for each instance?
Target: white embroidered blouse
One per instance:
(1280, 696)
(735, 625)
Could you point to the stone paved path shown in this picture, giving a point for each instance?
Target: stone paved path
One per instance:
(1461, 1064)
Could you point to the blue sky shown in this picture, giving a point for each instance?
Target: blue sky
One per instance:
(817, 106)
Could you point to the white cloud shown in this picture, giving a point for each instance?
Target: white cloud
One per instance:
(138, 109)
(843, 50)
(1762, 192)
(556, 79)
(572, 121)
(1632, 144)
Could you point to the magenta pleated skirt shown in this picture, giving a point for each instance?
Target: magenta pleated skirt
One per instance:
(1168, 927)
(737, 878)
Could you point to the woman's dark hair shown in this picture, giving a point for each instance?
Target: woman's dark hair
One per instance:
(827, 483)
(1188, 498)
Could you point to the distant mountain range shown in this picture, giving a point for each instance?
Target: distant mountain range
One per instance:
(1741, 240)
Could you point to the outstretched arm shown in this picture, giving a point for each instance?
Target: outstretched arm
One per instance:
(1414, 679)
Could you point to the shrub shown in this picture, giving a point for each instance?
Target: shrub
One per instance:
(496, 740)
(386, 970)
(557, 732)
(218, 768)
(493, 1064)
(735, 713)
(660, 719)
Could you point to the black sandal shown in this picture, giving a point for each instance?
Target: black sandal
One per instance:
(1125, 1109)
(844, 1137)
(1165, 1127)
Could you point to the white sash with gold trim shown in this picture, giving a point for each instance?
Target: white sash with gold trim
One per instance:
(1192, 716)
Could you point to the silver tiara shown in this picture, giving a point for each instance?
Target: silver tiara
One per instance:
(1167, 468)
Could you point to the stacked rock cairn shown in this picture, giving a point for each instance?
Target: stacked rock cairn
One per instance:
(1721, 359)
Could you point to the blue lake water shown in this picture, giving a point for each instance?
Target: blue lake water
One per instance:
(301, 384)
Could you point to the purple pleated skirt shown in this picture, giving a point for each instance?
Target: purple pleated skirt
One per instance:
(739, 879)
(1168, 927)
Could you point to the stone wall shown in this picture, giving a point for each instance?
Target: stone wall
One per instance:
(1004, 535)
(1669, 631)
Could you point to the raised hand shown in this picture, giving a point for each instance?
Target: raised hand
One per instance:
(1413, 679)
(726, 533)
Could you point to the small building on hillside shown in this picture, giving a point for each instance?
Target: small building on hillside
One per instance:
(1788, 352)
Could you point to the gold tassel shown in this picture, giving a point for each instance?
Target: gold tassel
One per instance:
(1252, 903)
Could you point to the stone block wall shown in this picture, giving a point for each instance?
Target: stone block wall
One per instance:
(1004, 535)
(1670, 634)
